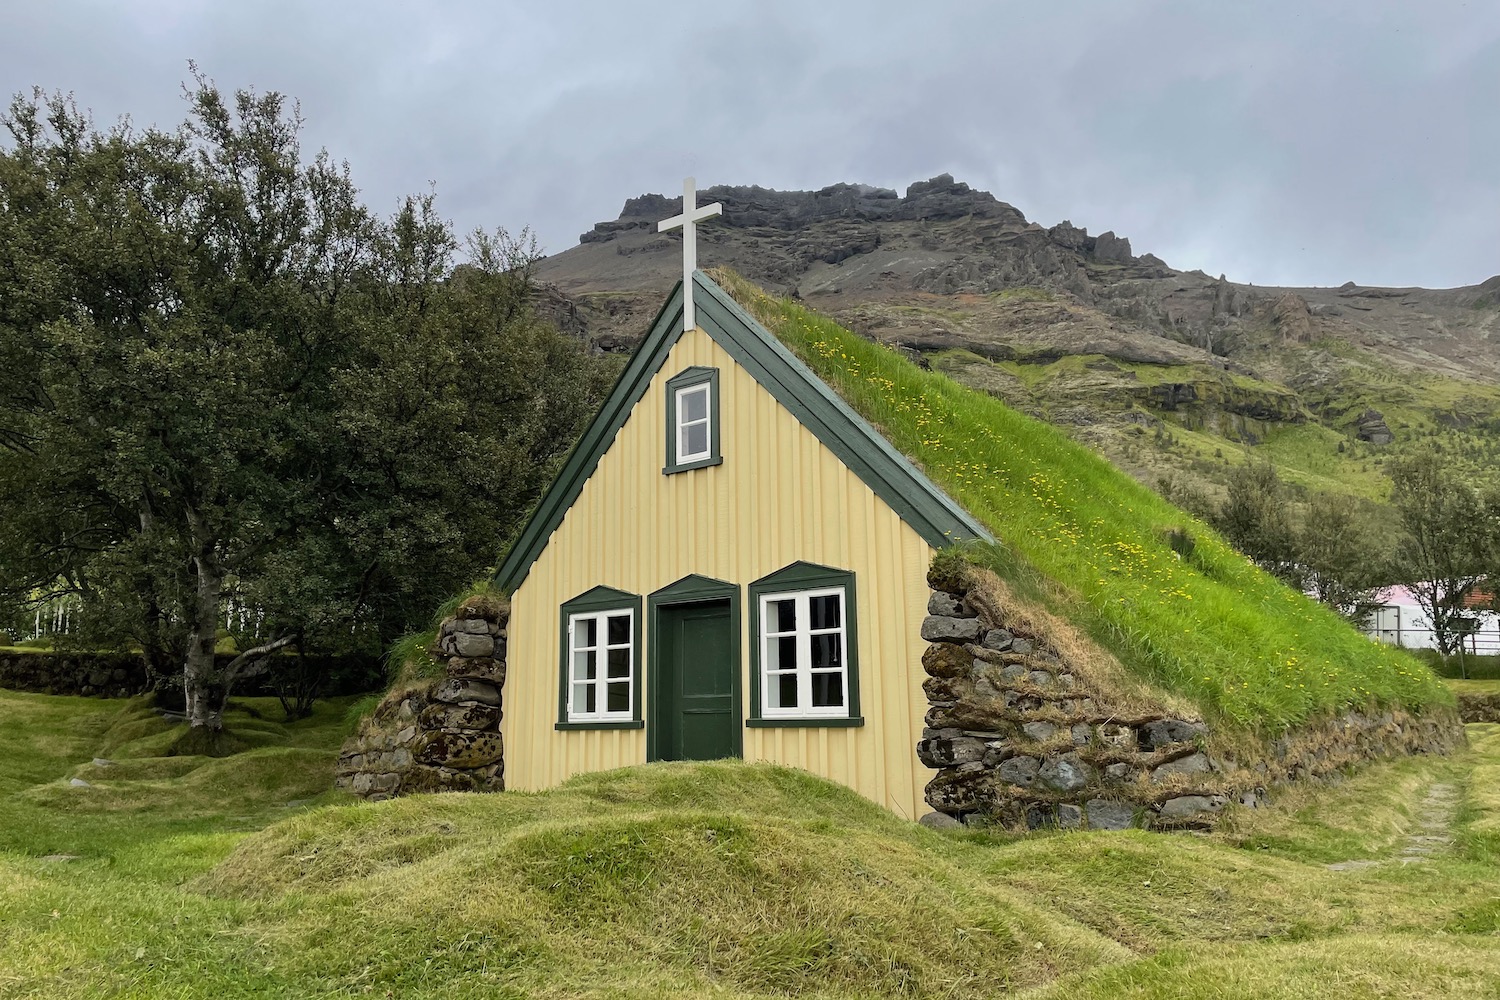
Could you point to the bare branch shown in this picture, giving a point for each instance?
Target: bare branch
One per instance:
(249, 656)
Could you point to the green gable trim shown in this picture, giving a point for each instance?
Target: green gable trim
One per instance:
(915, 498)
(648, 359)
(687, 378)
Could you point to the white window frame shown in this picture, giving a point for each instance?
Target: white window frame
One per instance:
(602, 680)
(707, 422)
(804, 633)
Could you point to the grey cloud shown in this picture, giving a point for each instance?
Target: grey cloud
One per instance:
(1282, 143)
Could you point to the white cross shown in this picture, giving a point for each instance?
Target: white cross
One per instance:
(688, 220)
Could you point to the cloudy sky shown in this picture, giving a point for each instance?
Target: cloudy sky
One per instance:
(1305, 142)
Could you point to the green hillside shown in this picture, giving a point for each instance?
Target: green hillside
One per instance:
(1192, 422)
(248, 877)
(1162, 590)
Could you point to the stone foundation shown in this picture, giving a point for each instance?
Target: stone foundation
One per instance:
(1020, 738)
(442, 734)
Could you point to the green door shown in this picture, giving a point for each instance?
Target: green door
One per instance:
(696, 716)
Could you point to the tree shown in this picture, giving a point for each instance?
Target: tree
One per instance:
(1256, 519)
(1490, 544)
(230, 377)
(1336, 553)
(1440, 553)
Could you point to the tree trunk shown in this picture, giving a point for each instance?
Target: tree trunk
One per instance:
(204, 687)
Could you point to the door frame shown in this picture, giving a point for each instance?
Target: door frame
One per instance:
(692, 589)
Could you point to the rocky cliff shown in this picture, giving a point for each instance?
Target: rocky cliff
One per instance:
(1078, 328)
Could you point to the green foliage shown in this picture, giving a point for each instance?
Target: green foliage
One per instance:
(1326, 547)
(411, 656)
(231, 378)
(1482, 667)
(1450, 537)
(360, 708)
(1256, 519)
(1213, 628)
(1341, 561)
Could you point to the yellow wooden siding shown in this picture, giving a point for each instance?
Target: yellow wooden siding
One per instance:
(779, 496)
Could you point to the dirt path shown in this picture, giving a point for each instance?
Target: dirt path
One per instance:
(1434, 821)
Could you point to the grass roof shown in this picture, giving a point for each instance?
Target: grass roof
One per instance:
(1199, 620)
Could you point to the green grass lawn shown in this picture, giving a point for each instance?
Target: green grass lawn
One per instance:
(1458, 686)
(1209, 625)
(219, 878)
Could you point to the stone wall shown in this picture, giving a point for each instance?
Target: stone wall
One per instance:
(1479, 707)
(439, 734)
(1020, 737)
(123, 675)
(101, 675)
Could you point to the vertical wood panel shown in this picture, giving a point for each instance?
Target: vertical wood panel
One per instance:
(778, 497)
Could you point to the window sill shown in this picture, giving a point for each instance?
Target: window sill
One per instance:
(845, 723)
(627, 724)
(702, 463)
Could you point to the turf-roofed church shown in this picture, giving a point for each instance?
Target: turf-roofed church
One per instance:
(732, 563)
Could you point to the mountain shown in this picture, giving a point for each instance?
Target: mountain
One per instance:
(1170, 373)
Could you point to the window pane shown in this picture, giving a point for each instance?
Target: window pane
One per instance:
(591, 699)
(694, 404)
(583, 695)
(585, 632)
(828, 690)
(771, 654)
(695, 440)
(585, 665)
(781, 653)
(827, 650)
(783, 616)
(825, 611)
(619, 663)
(619, 630)
(784, 691)
(619, 697)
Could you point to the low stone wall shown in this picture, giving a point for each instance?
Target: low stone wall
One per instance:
(100, 675)
(1019, 738)
(443, 734)
(1479, 707)
(123, 675)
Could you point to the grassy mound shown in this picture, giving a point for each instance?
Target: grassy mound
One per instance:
(143, 789)
(684, 876)
(725, 879)
(1189, 612)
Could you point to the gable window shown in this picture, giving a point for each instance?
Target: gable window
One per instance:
(692, 420)
(601, 642)
(804, 648)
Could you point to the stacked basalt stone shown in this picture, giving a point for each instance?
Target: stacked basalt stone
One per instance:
(444, 735)
(1018, 740)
